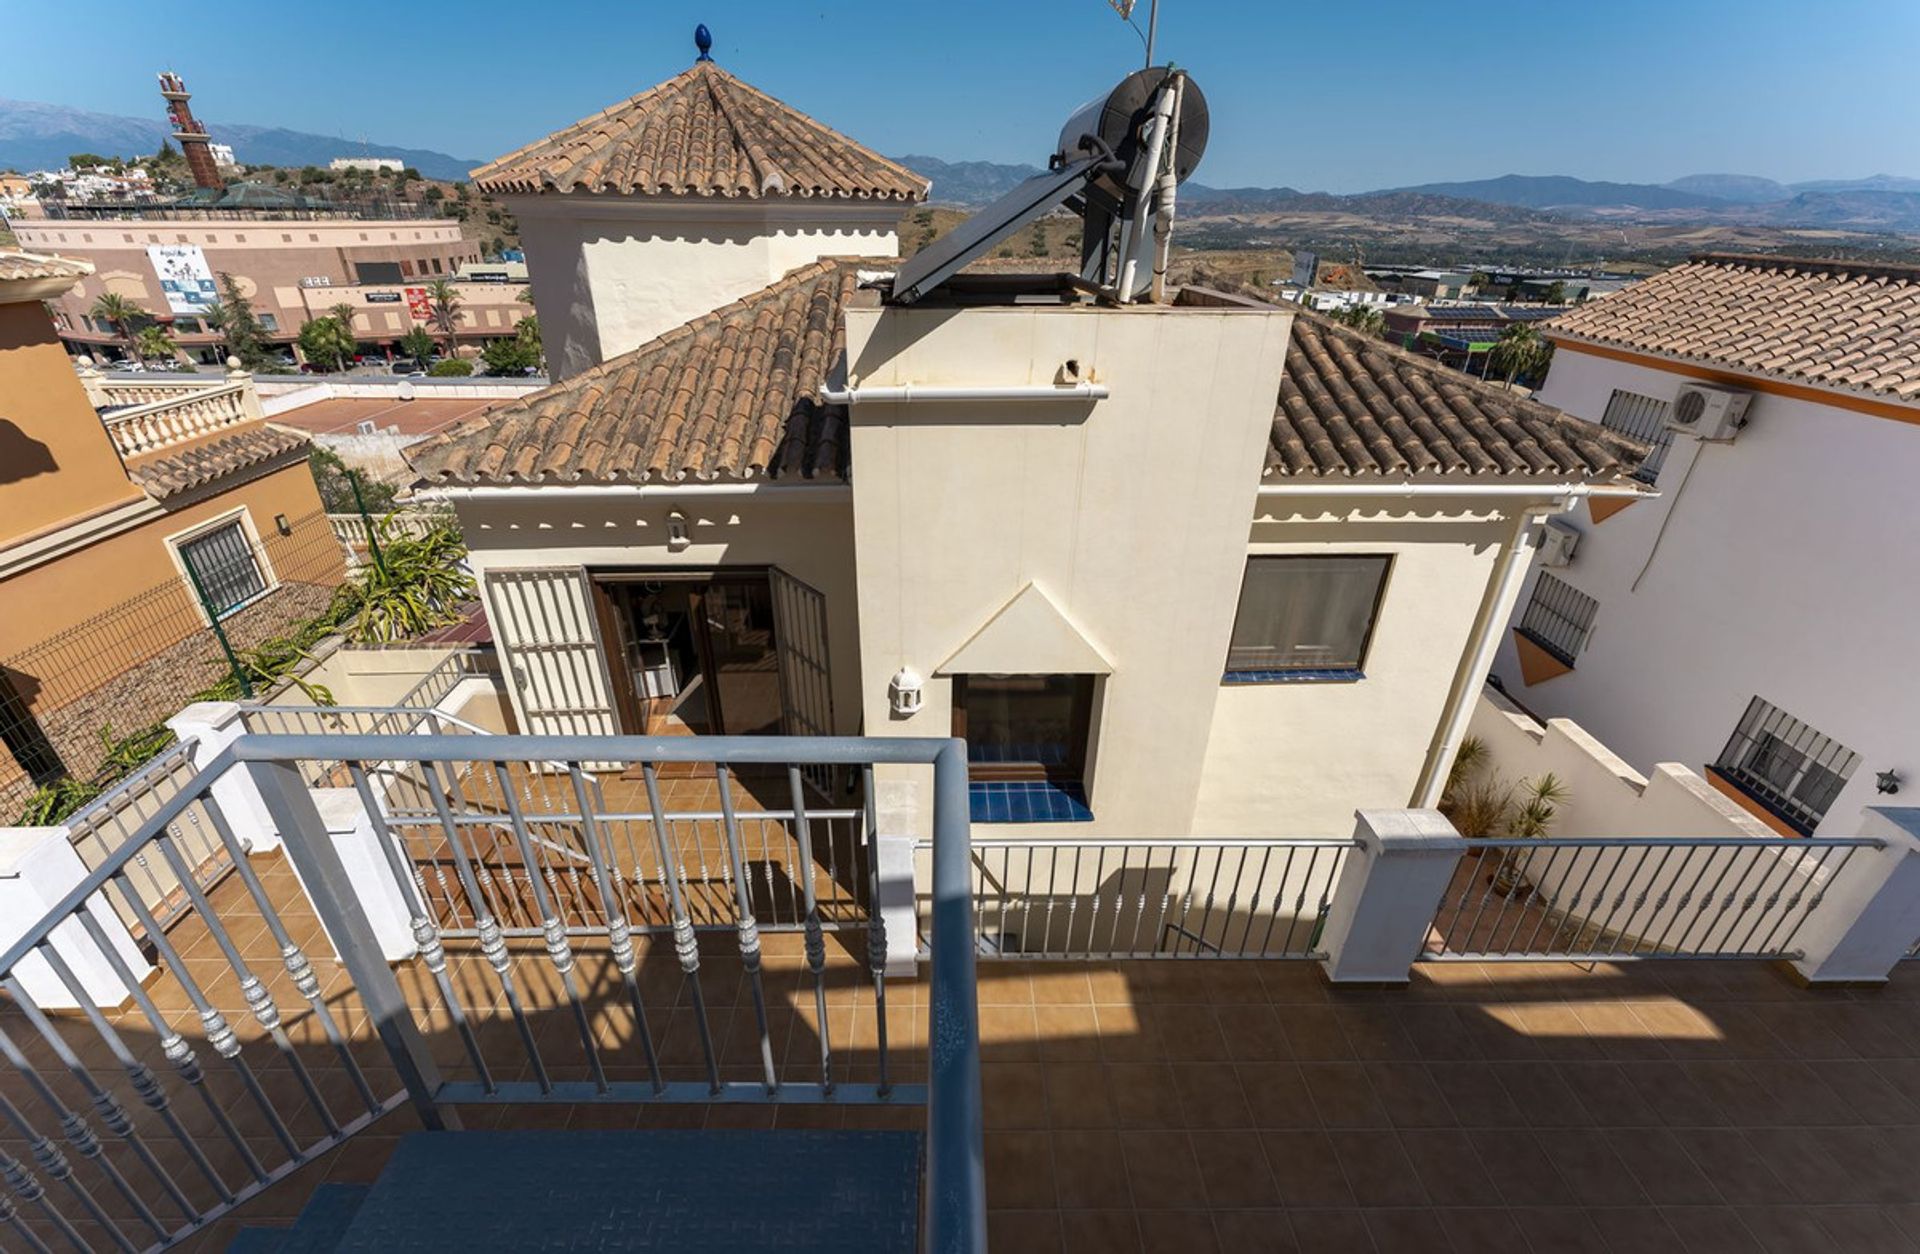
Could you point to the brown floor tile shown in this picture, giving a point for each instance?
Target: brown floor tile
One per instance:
(1411, 1099)
(1377, 1169)
(1177, 1232)
(1233, 1166)
(1475, 1095)
(1710, 1230)
(1211, 1096)
(1305, 1169)
(1314, 1034)
(1343, 1095)
(1078, 1095)
(1560, 1230)
(1257, 1232)
(1099, 1232)
(1277, 1095)
(1449, 1168)
(1014, 1094)
(1407, 1231)
(1023, 1232)
(1162, 1170)
(1520, 1168)
(1020, 1171)
(1484, 1230)
(1342, 1229)
(1253, 1033)
(1667, 1174)
(1090, 1171)
(1142, 1096)
(1788, 1230)
(1636, 1230)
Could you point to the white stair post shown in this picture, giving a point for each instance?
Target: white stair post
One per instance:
(1389, 889)
(1869, 913)
(38, 867)
(209, 727)
(897, 811)
(351, 833)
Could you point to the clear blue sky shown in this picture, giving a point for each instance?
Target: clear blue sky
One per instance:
(1342, 95)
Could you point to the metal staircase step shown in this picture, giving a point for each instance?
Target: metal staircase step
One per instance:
(318, 1228)
(720, 1192)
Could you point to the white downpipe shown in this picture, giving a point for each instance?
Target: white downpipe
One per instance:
(908, 393)
(1482, 644)
(1131, 242)
(788, 492)
(1542, 490)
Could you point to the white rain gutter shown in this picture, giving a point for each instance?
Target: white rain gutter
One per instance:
(909, 393)
(656, 491)
(1482, 644)
(1569, 491)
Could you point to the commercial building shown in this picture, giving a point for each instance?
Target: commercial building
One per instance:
(1751, 621)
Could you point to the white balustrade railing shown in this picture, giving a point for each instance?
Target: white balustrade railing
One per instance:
(178, 419)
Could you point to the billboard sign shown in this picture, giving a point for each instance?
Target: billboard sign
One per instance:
(419, 304)
(1305, 266)
(184, 277)
(382, 298)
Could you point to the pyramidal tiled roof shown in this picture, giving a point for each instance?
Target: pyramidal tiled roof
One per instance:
(1353, 406)
(734, 394)
(701, 133)
(1838, 324)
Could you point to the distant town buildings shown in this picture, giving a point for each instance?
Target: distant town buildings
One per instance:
(391, 165)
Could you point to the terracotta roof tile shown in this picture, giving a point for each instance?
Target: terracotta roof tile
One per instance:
(731, 395)
(1351, 405)
(1839, 324)
(25, 265)
(701, 133)
(171, 473)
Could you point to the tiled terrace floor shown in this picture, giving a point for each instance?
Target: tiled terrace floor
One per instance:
(1243, 1106)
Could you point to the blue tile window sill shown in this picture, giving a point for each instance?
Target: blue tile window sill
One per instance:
(1330, 675)
(1028, 801)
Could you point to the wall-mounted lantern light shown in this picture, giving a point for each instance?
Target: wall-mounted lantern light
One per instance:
(677, 535)
(1888, 782)
(904, 692)
(281, 525)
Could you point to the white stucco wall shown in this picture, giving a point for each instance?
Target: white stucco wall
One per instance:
(1787, 570)
(1130, 514)
(610, 273)
(808, 532)
(1297, 759)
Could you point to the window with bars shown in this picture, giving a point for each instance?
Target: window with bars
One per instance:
(1559, 618)
(1643, 418)
(1785, 765)
(223, 567)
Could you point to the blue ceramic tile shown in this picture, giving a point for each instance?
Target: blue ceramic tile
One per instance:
(1028, 801)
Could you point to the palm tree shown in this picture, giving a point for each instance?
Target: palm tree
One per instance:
(1520, 350)
(1365, 319)
(118, 312)
(154, 343)
(342, 313)
(215, 318)
(446, 312)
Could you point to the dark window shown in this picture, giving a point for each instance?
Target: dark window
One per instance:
(1788, 767)
(223, 568)
(1026, 745)
(22, 734)
(1643, 418)
(377, 271)
(1559, 618)
(1305, 618)
(269, 322)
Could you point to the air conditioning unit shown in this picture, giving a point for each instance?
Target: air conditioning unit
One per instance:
(1708, 413)
(1558, 542)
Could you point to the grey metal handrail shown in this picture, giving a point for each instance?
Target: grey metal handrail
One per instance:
(956, 1212)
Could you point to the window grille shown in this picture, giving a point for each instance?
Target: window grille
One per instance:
(1559, 618)
(1786, 765)
(1642, 418)
(224, 566)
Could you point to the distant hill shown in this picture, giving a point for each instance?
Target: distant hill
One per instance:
(1558, 191)
(968, 184)
(1853, 210)
(1872, 183)
(1743, 189)
(36, 136)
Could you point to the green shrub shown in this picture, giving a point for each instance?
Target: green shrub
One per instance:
(451, 368)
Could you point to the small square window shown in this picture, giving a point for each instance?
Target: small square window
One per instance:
(1559, 618)
(222, 568)
(1026, 745)
(1793, 771)
(1305, 618)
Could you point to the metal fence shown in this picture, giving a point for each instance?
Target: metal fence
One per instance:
(67, 699)
(1175, 898)
(99, 829)
(1611, 899)
(1643, 418)
(1787, 766)
(290, 1075)
(1559, 617)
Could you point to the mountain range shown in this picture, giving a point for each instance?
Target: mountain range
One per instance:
(37, 136)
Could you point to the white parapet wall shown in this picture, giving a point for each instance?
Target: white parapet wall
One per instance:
(1694, 899)
(1605, 796)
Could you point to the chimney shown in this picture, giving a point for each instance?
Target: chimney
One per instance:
(191, 134)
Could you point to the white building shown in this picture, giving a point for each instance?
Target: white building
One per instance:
(391, 164)
(1758, 617)
(1197, 566)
